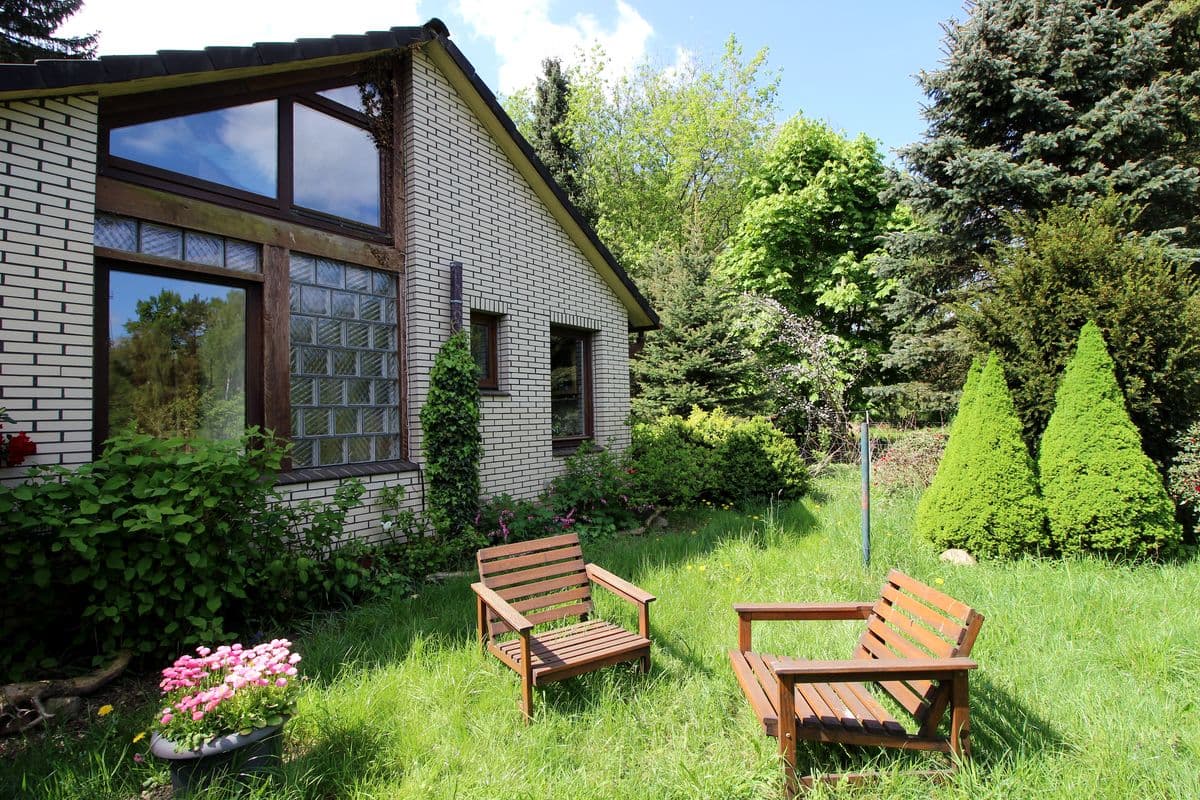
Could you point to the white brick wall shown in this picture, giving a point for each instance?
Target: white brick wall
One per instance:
(468, 203)
(47, 191)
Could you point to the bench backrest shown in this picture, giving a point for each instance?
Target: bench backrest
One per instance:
(912, 620)
(544, 579)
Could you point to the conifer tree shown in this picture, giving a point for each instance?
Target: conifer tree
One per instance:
(1040, 102)
(27, 31)
(452, 443)
(552, 136)
(696, 359)
(1102, 493)
(984, 497)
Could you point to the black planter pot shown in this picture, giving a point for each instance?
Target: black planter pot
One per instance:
(257, 753)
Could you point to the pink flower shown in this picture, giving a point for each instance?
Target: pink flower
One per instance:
(138, 758)
(197, 716)
(166, 719)
(281, 682)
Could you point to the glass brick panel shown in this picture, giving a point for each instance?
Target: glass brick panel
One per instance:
(118, 233)
(302, 453)
(203, 248)
(344, 366)
(161, 241)
(241, 256)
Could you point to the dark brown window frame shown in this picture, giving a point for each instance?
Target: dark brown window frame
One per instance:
(120, 111)
(492, 323)
(567, 443)
(169, 268)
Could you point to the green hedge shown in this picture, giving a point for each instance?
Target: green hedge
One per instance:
(1103, 494)
(984, 497)
(160, 545)
(713, 456)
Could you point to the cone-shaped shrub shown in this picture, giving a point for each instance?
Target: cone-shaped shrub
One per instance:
(984, 498)
(950, 453)
(1103, 494)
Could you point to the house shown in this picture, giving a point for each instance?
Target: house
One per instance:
(202, 240)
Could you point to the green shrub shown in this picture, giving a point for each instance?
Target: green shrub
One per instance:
(713, 456)
(1103, 494)
(984, 497)
(452, 444)
(159, 545)
(503, 519)
(593, 493)
(1184, 478)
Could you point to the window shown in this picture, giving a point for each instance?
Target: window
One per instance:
(175, 355)
(570, 385)
(344, 376)
(484, 336)
(307, 155)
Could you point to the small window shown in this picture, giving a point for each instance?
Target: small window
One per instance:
(176, 356)
(484, 335)
(570, 385)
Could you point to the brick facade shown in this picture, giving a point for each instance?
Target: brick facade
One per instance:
(47, 203)
(464, 200)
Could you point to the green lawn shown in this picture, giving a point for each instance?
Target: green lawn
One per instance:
(1088, 683)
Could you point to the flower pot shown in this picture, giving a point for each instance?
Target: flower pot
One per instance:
(256, 753)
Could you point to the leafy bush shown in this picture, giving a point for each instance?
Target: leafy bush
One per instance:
(713, 456)
(593, 492)
(1184, 477)
(984, 497)
(1103, 494)
(162, 544)
(452, 444)
(503, 519)
(909, 461)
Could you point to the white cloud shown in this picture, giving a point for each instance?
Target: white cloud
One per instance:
(523, 34)
(144, 26)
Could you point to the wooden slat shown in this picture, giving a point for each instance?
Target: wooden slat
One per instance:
(525, 590)
(532, 560)
(531, 546)
(765, 677)
(843, 715)
(753, 690)
(559, 613)
(847, 697)
(950, 628)
(507, 579)
(555, 599)
(923, 636)
(865, 697)
(943, 602)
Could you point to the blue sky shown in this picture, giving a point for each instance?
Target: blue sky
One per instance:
(850, 63)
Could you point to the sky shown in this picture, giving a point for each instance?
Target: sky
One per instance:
(851, 63)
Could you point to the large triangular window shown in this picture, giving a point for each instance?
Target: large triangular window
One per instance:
(307, 155)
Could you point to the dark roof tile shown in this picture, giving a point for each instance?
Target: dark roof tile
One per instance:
(178, 62)
(233, 57)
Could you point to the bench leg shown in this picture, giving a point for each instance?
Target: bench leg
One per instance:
(526, 680)
(960, 719)
(787, 735)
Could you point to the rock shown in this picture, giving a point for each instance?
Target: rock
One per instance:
(958, 557)
(656, 520)
(63, 708)
(448, 576)
(638, 531)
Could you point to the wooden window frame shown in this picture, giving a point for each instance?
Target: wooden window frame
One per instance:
(153, 266)
(492, 323)
(570, 443)
(120, 111)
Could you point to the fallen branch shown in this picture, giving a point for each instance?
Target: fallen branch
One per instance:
(21, 705)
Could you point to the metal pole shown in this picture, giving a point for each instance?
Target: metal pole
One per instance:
(865, 440)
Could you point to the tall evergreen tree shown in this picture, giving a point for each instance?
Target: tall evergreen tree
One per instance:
(552, 136)
(697, 358)
(27, 31)
(1040, 102)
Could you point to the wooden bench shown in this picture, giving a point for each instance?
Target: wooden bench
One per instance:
(527, 584)
(914, 649)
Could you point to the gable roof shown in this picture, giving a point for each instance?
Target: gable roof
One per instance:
(113, 75)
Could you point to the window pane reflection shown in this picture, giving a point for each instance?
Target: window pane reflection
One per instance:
(234, 147)
(176, 357)
(336, 167)
(568, 397)
(347, 96)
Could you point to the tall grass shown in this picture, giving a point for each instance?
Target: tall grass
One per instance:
(1087, 688)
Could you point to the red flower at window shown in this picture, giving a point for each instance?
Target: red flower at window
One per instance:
(16, 449)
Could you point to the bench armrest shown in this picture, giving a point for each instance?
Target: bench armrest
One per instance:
(802, 611)
(513, 618)
(618, 586)
(863, 669)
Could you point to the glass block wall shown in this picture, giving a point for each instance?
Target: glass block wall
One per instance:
(345, 378)
(164, 241)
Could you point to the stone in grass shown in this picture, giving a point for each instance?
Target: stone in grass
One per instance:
(958, 557)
